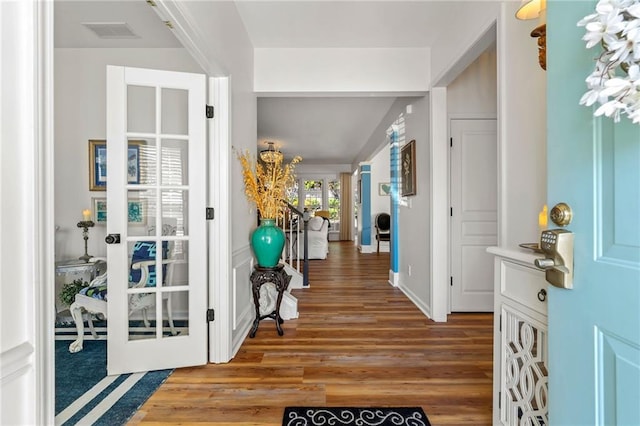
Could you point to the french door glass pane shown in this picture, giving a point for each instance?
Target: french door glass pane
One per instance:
(141, 109)
(175, 117)
(181, 326)
(174, 162)
(141, 306)
(141, 161)
(141, 211)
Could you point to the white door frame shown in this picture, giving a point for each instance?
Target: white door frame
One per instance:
(27, 118)
(219, 238)
(439, 168)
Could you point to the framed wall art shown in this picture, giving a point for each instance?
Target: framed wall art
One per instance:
(98, 164)
(136, 212)
(99, 206)
(408, 168)
(384, 188)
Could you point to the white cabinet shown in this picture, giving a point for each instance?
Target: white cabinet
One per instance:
(520, 354)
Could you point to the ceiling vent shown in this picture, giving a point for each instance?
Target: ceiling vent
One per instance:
(118, 30)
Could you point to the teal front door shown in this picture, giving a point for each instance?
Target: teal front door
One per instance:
(594, 166)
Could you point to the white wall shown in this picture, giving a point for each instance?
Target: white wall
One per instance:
(471, 20)
(324, 70)
(80, 113)
(521, 109)
(323, 169)
(415, 214)
(230, 53)
(474, 93)
(378, 138)
(523, 131)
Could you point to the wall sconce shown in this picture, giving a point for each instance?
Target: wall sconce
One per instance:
(532, 9)
(271, 154)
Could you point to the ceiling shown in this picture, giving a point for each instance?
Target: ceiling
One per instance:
(323, 130)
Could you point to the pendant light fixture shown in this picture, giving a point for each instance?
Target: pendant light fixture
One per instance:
(271, 154)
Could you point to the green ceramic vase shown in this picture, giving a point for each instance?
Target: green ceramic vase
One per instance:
(267, 242)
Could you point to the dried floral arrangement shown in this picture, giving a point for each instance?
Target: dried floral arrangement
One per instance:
(265, 184)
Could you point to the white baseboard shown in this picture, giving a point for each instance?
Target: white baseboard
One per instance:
(296, 277)
(416, 300)
(289, 306)
(366, 249)
(394, 278)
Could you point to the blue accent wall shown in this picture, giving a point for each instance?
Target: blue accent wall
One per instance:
(365, 207)
(395, 198)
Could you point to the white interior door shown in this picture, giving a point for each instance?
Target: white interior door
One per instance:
(474, 213)
(156, 198)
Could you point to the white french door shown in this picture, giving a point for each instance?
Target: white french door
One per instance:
(156, 197)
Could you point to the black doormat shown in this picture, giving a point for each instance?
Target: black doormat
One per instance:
(356, 416)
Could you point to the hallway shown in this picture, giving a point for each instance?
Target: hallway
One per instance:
(358, 342)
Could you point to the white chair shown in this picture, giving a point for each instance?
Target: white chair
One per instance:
(93, 299)
(318, 230)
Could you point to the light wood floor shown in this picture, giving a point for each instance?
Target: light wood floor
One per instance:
(358, 342)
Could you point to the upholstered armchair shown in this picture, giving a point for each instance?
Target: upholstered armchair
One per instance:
(92, 300)
(318, 234)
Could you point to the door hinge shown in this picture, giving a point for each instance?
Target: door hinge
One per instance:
(211, 315)
(451, 142)
(451, 281)
(451, 211)
(499, 400)
(500, 325)
(210, 213)
(209, 111)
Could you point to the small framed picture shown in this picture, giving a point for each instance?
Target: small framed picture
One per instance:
(408, 168)
(136, 214)
(98, 163)
(384, 188)
(99, 210)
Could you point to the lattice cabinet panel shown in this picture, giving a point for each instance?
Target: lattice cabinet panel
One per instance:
(524, 378)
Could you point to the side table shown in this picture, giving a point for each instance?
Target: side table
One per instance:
(280, 279)
(69, 270)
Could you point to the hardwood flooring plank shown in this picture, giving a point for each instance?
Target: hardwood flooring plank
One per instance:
(358, 341)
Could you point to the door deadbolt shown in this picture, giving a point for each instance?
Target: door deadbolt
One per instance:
(561, 214)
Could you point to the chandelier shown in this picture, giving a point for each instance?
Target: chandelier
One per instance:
(271, 154)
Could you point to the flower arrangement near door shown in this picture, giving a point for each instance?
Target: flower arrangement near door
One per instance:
(265, 185)
(615, 80)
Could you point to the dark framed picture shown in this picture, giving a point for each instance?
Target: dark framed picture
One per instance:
(98, 164)
(408, 168)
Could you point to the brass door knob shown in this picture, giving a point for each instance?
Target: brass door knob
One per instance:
(561, 214)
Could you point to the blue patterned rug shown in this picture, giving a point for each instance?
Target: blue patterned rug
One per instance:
(352, 416)
(86, 395)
